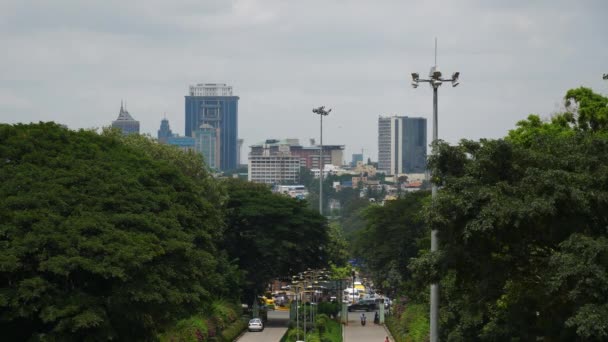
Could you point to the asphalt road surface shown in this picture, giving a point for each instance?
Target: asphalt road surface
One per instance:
(274, 329)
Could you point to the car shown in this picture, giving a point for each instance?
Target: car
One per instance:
(364, 304)
(255, 324)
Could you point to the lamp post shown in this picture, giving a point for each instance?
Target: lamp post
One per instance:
(435, 80)
(322, 112)
(296, 283)
(353, 291)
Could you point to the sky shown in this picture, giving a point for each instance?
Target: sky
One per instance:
(73, 61)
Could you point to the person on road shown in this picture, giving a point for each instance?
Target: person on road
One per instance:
(376, 318)
(386, 339)
(363, 318)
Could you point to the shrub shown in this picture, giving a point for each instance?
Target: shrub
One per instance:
(321, 322)
(293, 334)
(192, 329)
(329, 308)
(223, 313)
(233, 331)
(412, 325)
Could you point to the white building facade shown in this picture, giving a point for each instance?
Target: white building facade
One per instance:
(272, 163)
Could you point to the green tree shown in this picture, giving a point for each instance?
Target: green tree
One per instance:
(522, 230)
(337, 246)
(271, 235)
(102, 237)
(393, 234)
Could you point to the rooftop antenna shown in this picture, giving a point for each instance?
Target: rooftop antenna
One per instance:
(435, 52)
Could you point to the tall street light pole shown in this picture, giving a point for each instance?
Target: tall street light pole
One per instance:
(322, 112)
(435, 80)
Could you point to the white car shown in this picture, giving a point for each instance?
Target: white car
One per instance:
(255, 325)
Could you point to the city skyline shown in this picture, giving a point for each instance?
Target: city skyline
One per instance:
(71, 62)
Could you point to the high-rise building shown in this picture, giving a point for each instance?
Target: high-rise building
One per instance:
(213, 104)
(125, 122)
(271, 162)
(207, 142)
(164, 132)
(401, 145)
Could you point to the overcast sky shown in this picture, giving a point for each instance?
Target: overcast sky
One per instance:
(72, 61)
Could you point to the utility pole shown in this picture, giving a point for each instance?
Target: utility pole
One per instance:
(322, 112)
(435, 80)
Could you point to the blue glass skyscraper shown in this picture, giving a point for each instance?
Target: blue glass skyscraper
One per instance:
(214, 105)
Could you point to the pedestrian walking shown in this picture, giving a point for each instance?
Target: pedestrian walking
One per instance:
(386, 339)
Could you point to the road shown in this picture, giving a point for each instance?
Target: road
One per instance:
(274, 329)
(355, 332)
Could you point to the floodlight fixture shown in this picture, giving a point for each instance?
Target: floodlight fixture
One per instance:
(415, 77)
(414, 85)
(605, 77)
(455, 76)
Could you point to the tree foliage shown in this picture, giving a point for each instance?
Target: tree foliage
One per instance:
(101, 237)
(271, 235)
(392, 235)
(522, 229)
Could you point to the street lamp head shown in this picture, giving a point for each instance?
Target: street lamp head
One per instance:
(455, 84)
(605, 77)
(435, 73)
(414, 85)
(415, 77)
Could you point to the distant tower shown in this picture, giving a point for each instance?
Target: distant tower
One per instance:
(238, 153)
(164, 132)
(125, 121)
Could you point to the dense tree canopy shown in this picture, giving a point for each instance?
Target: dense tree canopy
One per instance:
(522, 228)
(393, 234)
(271, 235)
(102, 238)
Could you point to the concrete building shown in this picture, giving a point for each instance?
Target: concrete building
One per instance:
(402, 144)
(309, 155)
(271, 162)
(125, 122)
(215, 105)
(207, 143)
